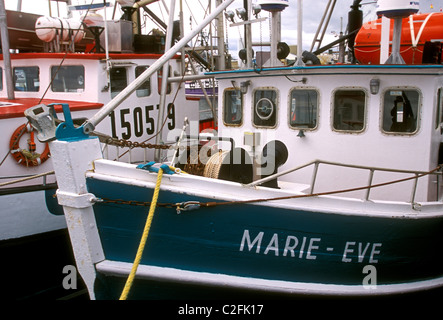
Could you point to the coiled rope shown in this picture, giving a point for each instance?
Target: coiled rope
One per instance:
(142, 244)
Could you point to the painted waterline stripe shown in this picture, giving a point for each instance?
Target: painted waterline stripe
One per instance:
(146, 272)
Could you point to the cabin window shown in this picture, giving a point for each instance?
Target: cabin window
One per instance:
(68, 79)
(26, 79)
(439, 116)
(303, 109)
(265, 108)
(349, 110)
(119, 80)
(400, 111)
(145, 89)
(233, 107)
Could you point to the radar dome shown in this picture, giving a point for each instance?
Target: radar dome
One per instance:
(273, 5)
(397, 8)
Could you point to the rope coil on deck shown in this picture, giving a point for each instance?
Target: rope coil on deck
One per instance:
(213, 166)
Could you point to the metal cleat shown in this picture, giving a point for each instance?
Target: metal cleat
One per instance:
(187, 206)
(42, 119)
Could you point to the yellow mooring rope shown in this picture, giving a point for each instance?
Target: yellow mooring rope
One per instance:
(142, 244)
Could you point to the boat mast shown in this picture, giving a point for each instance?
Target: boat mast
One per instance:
(275, 8)
(275, 36)
(248, 34)
(299, 61)
(395, 57)
(396, 11)
(5, 51)
(164, 85)
(221, 63)
(322, 27)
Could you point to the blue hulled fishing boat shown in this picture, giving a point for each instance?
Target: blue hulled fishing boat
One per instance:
(322, 180)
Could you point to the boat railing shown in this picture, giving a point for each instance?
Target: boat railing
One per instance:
(415, 175)
(15, 179)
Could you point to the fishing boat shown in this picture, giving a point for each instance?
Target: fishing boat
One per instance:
(83, 62)
(322, 180)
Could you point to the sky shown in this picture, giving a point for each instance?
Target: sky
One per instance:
(313, 11)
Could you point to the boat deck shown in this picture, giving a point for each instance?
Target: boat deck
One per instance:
(15, 108)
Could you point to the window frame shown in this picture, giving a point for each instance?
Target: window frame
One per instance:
(115, 93)
(139, 91)
(67, 66)
(418, 111)
(317, 116)
(439, 109)
(224, 107)
(15, 80)
(365, 110)
(275, 111)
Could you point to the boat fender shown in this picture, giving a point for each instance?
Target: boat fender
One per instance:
(310, 58)
(273, 156)
(283, 50)
(27, 157)
(242, 54)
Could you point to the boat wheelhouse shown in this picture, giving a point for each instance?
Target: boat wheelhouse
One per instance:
(380, 116)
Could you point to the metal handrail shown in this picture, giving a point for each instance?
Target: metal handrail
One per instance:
(317, 163)
(24, 178)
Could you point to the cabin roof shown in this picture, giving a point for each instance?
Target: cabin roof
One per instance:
(335, 69)
(15, 108)
(83, 56)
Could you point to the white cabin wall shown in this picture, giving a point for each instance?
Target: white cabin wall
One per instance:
(95, 91)
(371, 147)
(436, 182)
(88, 94)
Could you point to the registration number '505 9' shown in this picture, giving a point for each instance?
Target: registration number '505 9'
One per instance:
(135, 122)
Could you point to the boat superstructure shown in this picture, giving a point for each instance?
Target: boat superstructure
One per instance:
(353, 120)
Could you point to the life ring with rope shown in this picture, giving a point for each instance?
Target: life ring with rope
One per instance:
(27, 157)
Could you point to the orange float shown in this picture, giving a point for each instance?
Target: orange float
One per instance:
(421, 39)
(27, 157)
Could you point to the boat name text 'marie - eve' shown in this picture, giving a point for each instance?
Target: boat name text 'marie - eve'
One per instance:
(307, 247)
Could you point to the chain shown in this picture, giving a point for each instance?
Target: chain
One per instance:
(131, 144)
(261, 41)
(226, 45)
(134, 203)
(179, 207)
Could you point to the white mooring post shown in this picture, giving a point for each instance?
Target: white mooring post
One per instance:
(71, 159)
